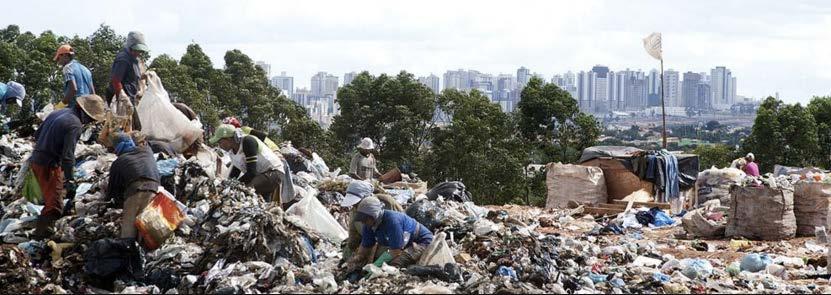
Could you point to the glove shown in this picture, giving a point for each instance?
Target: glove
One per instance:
(70, 188)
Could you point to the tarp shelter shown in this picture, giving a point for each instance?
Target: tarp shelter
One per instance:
(617, 164)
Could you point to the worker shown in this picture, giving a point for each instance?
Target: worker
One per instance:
(405, 238)
(186, 110)
(233, 121)
(11, 92)
(261, 168)
(127, 72)
(363, 165)
(53, 159)
(751, 168)
(357, 192)
(77, 79)
(134, 180)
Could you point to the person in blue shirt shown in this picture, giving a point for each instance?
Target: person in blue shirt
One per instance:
(11, 92)
(77, 78)
(405, 237)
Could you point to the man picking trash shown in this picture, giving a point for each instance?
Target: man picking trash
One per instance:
(53, 160)
(405, 237)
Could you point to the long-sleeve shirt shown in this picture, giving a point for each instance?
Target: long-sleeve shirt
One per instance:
(128, 69)
(56, 141)
(751, 169)
(365, 167)
(129, 167)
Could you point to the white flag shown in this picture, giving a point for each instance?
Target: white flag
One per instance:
(652, 44)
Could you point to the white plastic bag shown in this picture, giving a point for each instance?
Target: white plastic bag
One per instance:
(161, 120)
(318, 218)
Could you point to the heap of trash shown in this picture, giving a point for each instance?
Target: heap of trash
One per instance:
(231, 241)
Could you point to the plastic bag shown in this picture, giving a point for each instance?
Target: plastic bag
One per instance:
(318, 218)
(31, 188)
(161, 120)
(159, 219)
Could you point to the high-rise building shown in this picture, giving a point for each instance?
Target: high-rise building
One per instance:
(453, 79)
(654, 89)
(285, 83)
(586, 91)
(722, 86)
(505, 85)
(671, 93)
(689, 90)
(431, 82)
(348, 77)
(570, 84)
(266, 67)
(302, 96)
(704, 96)
(324, 84)
(523, 75)
(601, 89)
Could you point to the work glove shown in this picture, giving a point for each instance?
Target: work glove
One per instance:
(70, 189)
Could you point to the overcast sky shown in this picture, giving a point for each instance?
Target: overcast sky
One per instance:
(771, 46)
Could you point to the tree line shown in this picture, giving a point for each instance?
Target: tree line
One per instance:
(482, 146)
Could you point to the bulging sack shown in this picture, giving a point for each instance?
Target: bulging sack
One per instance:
(566, 182)
(811, 205)
(161, 120)
(761, 213)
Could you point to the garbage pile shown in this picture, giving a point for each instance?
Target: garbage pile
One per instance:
(232, 241)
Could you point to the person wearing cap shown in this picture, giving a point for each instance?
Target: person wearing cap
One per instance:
(751, 168)
(53, 159)
(134, 180)
(127, 70)
(363, 165)
(11, 92)
(405, 237)
(233, 121)
(357, 192)
(260, 167)
(77, 78)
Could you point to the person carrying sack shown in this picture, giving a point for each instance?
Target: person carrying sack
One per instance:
(126, 72)
(53, 160)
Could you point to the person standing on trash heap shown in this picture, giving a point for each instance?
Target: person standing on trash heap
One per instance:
(405, 237)
(751, 168)
(53, 159)
(260, 167)
(134, 180)
(77, 78)
(357, 192)
(127, 72)
(363, 165)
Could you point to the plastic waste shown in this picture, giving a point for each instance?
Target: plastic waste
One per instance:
(507, 271)
(597, 278)
(754, 262)
(659, 277)
(437, 253)
(161, 120)
(159, 219)
(821, 234)
(484, 227)
(317, 218)
(734, 269)
(738, 245)
(696, 268)
(167, 167)
(646, 261)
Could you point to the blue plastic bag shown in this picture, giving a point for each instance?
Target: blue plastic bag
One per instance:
(754, 262)
(507, 272)
(661, 218)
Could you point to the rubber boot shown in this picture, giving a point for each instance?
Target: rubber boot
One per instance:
(44, 227)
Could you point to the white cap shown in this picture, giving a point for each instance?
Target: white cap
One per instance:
(750, 155)
(367, 144)
(350, 200)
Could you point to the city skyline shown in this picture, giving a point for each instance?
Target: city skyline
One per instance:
(774, 46)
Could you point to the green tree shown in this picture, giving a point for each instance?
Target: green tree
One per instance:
(393, 111)
(480, 148)
(820, 108)
(783, 134)
(551, 121)
(719, 155)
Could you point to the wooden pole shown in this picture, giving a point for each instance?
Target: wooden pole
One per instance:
(663, 108)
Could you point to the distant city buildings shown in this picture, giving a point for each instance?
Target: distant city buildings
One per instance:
(266, 67)
(599, 90)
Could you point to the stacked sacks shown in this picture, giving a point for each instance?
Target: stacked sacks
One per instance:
(715, 184)
(811, 205)
(762, 212)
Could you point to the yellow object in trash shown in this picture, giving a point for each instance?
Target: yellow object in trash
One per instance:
(159, 219)
(738, 245)
(60, 105)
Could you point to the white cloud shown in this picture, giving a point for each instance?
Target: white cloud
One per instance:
(769, 45)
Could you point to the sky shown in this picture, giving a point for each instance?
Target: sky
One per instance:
(770, 46)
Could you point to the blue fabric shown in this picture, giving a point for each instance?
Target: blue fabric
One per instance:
(671, 184)
(660, 218)
(75, 71)
(14, 89)
(3, 89)
(650, 167)
(390, 231)
(167, 167)
(124, 144)
(56, 138)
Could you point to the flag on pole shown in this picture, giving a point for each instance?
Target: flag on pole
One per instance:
(652, 44)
